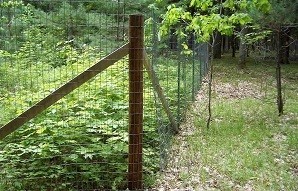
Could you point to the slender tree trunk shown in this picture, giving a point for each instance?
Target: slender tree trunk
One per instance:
(210, 80)
(233, 45)
(173, 41)
(225, 44)
(278, 74)
(283, 45)
(229, 42)
(210, 85)
(242, 48)
(216, 42)
(191, 40)
(217, 45)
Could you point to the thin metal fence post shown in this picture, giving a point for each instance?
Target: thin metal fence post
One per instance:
(193, 70)
(136, 58)
(179, 94)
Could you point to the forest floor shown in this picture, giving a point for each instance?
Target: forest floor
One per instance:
(248, 146)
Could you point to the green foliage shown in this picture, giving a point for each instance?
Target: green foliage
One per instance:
(41, 149)
(256, 34)
(282, 12)
(45, 48)
(80, 138)
(102, 6)
(15, 16)
(89, 135)
(207, 17)
(44, 5)
(140, 6)
(243, 5)
(71, 19)
(68, 22)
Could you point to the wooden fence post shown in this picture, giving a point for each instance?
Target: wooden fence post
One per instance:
(136, 57)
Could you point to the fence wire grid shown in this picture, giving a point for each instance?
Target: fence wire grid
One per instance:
(82, 141)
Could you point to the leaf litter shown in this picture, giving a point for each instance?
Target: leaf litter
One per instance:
(182, 172)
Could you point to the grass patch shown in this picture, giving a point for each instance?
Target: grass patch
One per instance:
(248, 146)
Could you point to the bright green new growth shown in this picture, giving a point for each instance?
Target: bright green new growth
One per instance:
(205, 17)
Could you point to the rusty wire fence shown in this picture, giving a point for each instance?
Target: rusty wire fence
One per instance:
(79, 137)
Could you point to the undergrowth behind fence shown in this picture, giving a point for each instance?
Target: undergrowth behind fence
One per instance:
(81, 142)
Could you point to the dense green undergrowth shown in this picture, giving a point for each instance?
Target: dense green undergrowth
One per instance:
(81, 142)
(81, 139)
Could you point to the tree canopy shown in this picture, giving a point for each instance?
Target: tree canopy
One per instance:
(205, 17)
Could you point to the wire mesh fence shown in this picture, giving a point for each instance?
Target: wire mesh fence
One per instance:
(81, 142)
(180, 71)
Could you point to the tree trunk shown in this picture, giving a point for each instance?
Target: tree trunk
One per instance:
(173, 41)
(210, 80)
(217, 45)
(191, 40)
(283, 45)
(278, 73)
(242, 48)
(225, 44)
(233, 45)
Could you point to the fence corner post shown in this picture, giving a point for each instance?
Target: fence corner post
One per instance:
(136, 58)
